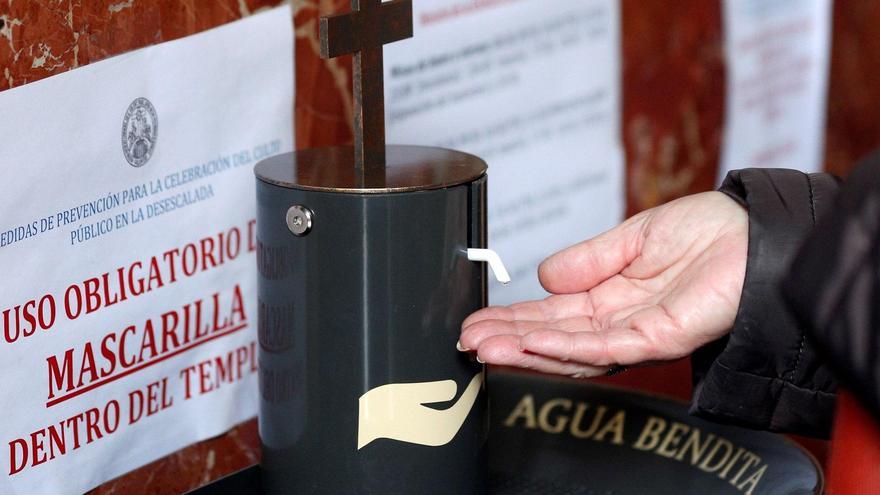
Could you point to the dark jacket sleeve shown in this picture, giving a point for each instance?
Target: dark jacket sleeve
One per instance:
(834, 284)
(766, 374)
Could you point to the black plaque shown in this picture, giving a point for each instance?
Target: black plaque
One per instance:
(533, 450)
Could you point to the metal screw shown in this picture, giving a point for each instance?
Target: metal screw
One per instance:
(299, 220)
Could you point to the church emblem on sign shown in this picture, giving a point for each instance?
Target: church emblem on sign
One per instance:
(140, 129)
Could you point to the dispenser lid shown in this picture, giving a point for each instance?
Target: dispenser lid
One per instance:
(408, 168)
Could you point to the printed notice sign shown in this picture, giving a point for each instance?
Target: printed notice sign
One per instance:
(127, 302)
(777, 53)
(533, 88)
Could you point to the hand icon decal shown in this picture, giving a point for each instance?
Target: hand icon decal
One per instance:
(396, 411)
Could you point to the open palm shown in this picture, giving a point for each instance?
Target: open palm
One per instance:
(653, 289)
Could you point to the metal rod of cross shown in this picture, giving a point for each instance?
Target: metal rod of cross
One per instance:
(363, 32)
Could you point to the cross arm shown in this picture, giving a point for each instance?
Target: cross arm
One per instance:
(347, 33)
(339, 35)
(397, 21)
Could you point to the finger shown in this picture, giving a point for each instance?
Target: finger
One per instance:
(583, 266)
(616, 346)
(552, 308)
(504, 350)
(474, 335)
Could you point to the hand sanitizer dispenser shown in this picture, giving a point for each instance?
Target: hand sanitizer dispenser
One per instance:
(364, 281)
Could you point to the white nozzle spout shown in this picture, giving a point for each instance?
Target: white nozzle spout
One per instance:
(494, 261)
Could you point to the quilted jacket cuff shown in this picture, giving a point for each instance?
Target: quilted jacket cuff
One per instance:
(766, 374)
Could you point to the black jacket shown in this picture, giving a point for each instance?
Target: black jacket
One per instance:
(810, 303)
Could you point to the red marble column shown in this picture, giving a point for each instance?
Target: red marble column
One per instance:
(853, 126)
(673, 98)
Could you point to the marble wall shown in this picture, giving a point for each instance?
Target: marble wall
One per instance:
(672, 49)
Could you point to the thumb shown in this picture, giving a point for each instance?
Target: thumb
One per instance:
(581, 267)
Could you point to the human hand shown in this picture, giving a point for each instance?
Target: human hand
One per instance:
(653, 289)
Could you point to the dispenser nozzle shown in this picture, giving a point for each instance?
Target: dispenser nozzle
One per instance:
(494, 261)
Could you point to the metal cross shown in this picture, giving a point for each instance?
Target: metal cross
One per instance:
(364, 32)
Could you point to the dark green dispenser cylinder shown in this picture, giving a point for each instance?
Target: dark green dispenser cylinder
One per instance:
(372, 292)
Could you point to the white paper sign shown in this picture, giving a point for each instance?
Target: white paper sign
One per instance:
(127, 252)
(532, 87)
(777, 80)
